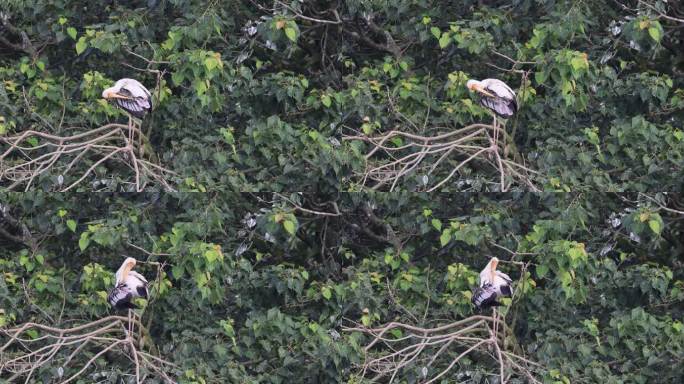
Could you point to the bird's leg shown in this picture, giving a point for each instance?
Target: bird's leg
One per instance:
(140, 146)
(496, 324)
(496, 133)
(130, 130)
(128, 333)
(492, 137)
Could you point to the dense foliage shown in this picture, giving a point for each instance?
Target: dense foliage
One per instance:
(260, 95)
(258, 287)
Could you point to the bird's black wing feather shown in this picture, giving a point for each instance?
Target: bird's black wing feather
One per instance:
(502, 107)
(142, 291)
(506, 290)
(484, 297)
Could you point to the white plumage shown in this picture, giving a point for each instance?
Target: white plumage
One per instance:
(131, 96)
(492, 285)
(496, 95)
(129, 285)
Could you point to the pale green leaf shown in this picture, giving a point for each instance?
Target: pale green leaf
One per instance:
(291, 34)
(289, 227)
(81, 45)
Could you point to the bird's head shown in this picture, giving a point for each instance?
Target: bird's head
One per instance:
(477, 86)
(114, 92)
(127, 266)
(494, 262)
(474, 85)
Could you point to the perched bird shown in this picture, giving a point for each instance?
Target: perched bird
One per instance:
(495, 95)
(129, 285)
(131, 96)
(493, 284)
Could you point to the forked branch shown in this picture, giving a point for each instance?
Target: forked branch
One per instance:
(397, 154)
(32, 346)
(30, 154)
(397, 348)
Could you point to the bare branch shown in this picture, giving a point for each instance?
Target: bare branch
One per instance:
(30, 154)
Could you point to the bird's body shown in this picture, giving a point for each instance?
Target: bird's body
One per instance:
(493, 284)
(131, 96)
(496, 96)
(128, 286)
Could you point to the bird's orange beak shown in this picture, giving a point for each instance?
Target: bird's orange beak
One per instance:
(495, 262)
(480, 89)
(113, 95)
(126, 270)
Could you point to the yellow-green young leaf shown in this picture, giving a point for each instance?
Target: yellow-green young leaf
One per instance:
(81, 45)
(445, 237)
(444, 40)
(655, 226)
(211, 255)
(62, 20)
(71, 224)
(366, 320)
(326, 100)
(437, 224)
(289, 227)
(210, 63)
(326, 292)
(677, 326)
(61, 212)
(71, 31)
(84, 241)
(654, 32)
(578, 63)
(436, 32)
(291, 34)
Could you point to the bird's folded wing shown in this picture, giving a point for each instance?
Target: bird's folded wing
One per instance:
(119, 295)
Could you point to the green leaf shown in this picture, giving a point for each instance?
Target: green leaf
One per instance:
(211, 255)
(71, 31)
(326, 292)
(655, 226)
(211, 63)
(437, 224)
(291, 34)
(654, 32)
(326, 100)
(445, 237)
(436, 32)
(578, 63)
(289, 227)
(71, 224)
(444, 40)
(81, 45)
(84, 241)
(677, 326)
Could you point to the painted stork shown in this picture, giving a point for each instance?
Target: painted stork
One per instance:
(129, 285)
(493, 284)
(495, 95)
(131, 96)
